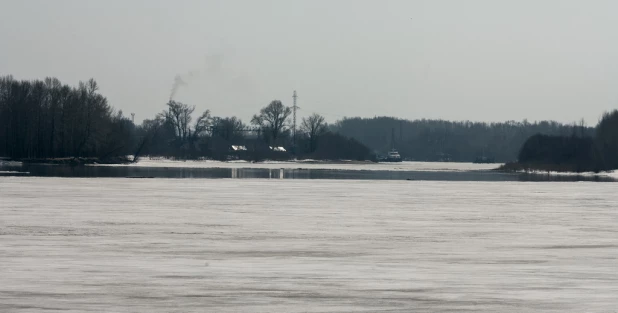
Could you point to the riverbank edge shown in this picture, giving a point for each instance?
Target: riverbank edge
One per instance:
(74, 161)
(551, 169)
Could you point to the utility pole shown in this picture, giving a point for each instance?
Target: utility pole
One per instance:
(133, 118)
(294, 108)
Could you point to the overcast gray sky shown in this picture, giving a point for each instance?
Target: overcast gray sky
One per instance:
(482, 60)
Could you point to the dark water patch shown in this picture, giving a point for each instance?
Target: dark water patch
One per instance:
(13, 173)
(46, 170)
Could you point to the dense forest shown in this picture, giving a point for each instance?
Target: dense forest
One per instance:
(439, 140)
(578, 152)
(46, 119)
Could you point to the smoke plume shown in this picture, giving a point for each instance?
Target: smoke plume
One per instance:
(212, 66)
(178, 82)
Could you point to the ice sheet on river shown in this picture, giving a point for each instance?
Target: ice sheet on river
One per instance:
(167, 245)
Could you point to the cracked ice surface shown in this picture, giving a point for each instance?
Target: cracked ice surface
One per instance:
(169, 245)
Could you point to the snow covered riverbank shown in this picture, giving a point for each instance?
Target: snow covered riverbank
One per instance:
(343, 165)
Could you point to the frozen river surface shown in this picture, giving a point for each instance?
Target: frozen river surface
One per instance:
(169, 245)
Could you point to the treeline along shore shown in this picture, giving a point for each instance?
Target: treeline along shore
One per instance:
(578, 152)
(47, 121)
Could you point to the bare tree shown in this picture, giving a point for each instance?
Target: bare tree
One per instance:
(607, 139)
(272, 119)
(582, 127)
(179, 116)
(93, 113)
(313, 126)
(54, 88)
(228, 128)
(202, 124)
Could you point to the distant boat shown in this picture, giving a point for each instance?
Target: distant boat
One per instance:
(393, 156)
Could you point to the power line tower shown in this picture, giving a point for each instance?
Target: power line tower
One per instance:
(294, 108)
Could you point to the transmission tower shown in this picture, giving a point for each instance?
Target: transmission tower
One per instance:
(294, 108)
